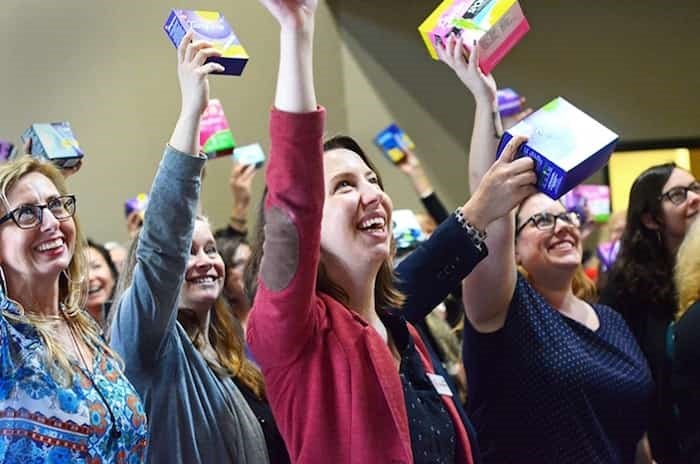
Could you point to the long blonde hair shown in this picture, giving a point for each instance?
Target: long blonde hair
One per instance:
(687, 272)
(72, 282)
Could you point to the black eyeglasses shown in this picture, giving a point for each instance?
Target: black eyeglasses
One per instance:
(678, 195)
(31, 216)
(548, 221)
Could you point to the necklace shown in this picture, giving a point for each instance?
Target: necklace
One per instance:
(114, 431)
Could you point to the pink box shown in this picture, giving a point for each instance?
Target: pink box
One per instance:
(495, 25)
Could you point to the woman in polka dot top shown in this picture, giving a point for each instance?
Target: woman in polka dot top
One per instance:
(552, 378)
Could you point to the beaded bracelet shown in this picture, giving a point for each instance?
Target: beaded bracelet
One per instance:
(477, 236)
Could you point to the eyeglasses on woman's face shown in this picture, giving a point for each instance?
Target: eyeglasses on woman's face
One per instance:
(677, 195)
(32, 216)
(548, 221)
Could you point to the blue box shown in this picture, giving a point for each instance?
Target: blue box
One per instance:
(567, 145)
(250, 154)
(212, 27)
(55, 142)
(392, 141)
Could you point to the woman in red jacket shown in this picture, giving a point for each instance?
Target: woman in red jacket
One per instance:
(349, 381)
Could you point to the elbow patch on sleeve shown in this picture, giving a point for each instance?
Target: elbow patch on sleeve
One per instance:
(280, 250)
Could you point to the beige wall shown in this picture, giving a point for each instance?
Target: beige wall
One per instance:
(634, 65)
(108, 68)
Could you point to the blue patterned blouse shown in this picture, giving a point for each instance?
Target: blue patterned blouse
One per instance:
(43, 422)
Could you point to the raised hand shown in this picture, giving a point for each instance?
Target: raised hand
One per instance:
(240, 182)
(410, 163)
(482, 86)
(192, 72)
(506, 183)
(291, 14)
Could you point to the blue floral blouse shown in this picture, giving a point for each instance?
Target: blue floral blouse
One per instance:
(43, 422)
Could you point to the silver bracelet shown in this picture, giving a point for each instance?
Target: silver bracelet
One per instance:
(477, 236)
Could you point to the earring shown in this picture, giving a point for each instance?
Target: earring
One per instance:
(3, 282)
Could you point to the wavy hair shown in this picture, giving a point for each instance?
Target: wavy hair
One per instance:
(224, 335)
(386, 294)
(687, 274)
(642, 276)
(72, 282)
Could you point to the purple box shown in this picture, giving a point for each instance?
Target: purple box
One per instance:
(6, 150)
(508, 102)
(212, 27)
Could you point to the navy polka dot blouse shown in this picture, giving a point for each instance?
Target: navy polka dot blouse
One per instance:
(547, 389)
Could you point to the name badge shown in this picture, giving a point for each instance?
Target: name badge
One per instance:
(440, 384)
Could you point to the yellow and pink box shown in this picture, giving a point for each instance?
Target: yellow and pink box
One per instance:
(213, 27)
(495, 25)
(215, 136)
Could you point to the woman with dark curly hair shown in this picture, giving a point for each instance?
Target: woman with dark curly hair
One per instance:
(664, 201)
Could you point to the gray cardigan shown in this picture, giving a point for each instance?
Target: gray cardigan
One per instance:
(194, 415)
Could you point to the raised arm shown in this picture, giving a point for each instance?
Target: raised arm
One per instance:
(488, 290)
(451, 253)
(147, 310)
(411, 166)
(283, 320)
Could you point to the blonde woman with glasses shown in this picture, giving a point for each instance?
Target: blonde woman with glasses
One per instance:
(63, 396)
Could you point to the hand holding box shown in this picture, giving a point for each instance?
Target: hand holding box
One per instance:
(212, 27)
(567, 145)
(496, 26)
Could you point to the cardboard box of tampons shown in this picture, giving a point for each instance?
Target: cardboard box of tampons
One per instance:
(55, 142)
(212, 27)
(567, 145)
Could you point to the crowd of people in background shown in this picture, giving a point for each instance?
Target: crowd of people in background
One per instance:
(313, 339)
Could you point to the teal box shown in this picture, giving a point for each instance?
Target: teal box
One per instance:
(55, 142)
(567, 145)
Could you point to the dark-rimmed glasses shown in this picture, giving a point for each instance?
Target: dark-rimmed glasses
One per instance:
(677, 195)
(548, 221)
(32, 216)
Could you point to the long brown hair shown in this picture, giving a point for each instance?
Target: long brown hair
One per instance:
(72, 283)
(224, 335)
(641, 280)
(386, 294)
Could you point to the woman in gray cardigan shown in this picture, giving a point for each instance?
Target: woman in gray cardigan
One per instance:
(197, 412)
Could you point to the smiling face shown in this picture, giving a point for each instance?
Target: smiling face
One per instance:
(678, 218)
(204, 275)
(355, 228)
(234, 278)
(542, 252)
(35, 256)
(101, 282)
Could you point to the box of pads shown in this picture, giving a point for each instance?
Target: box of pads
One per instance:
(212, 27)
(6, 150)
(250, 154)
(55, 142)
(508, 102)
(566, 144)
(215, 137)
(392, 141)
(495, 25)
